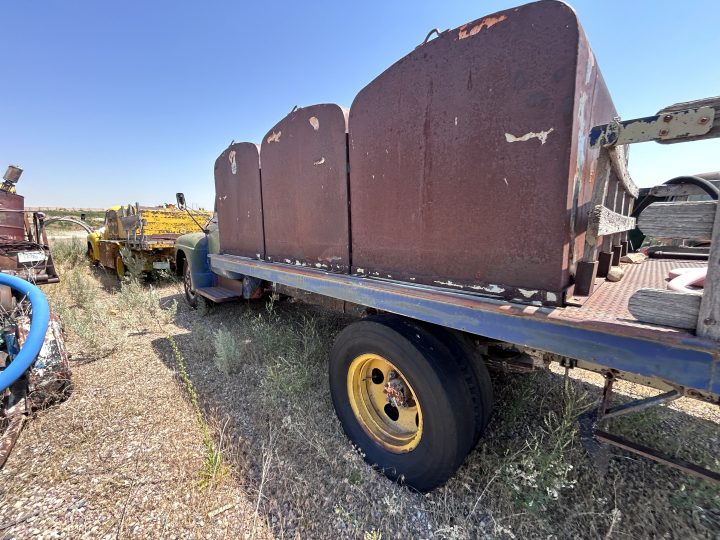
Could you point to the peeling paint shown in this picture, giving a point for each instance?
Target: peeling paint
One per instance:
(360, 270)
(319, 161)
(527, 293)
(492, 289)
(233, 164)
(274, 137)
(314, 122)
(487, 22)
(590, 66)
(449, 284)
(540, 136)
(552, 297)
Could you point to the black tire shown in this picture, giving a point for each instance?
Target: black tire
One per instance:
(191, 296)
(91, 255)
(440, 389)
(470, 362)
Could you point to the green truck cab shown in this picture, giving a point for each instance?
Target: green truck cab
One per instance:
(192, 264)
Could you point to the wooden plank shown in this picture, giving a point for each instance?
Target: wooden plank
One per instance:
(604, 221)
(691, 220)
(667, 308)
(708, 323)
(619, 165)
(600, 189)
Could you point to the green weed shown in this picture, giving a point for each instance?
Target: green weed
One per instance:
(69, 253)
(227, 351)
(214, 467)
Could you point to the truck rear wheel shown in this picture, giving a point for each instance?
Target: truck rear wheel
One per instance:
(473, 368)
(402, 400)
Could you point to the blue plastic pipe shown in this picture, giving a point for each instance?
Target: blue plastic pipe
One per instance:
(38, 327)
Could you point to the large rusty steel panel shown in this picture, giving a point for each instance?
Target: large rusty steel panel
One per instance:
(305, 191)
(463, 157)
(12, 218)
(239, 200)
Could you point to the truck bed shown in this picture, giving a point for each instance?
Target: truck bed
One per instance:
(609, 302)
(601, 331)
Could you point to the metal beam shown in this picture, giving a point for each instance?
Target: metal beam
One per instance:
(689, 362)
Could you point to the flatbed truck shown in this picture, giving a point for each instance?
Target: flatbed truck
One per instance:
(389, 216)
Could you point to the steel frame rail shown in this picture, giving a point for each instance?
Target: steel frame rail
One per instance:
(683, 361)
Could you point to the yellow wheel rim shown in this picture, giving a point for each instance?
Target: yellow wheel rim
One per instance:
(119, 267)
(384, 403)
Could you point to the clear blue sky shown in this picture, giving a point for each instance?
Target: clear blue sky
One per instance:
(111, 102)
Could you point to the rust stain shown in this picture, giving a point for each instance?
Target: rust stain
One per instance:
(487, 22)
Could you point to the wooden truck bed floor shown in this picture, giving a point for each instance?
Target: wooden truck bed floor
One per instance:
(601, 332)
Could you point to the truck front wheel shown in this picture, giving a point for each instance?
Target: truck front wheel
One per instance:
(120, 267)
(190, 294)
(402, 400)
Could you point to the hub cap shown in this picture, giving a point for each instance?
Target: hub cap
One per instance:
(384, 403)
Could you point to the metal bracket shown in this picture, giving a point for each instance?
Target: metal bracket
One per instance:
(568, 363)
(667, 126)
(596, 441)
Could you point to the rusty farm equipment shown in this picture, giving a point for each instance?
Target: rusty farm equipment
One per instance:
(34, 367)
(141, 238)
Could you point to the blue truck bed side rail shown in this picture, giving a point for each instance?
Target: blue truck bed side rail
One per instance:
(679, 359)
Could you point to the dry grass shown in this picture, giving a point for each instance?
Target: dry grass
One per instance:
(125, 455)
(128, 454)
(528, 477)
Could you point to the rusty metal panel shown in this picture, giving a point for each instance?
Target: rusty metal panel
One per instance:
(12, 218)
(238, 200)
(593, 106)
(305, 191)
(462, 158)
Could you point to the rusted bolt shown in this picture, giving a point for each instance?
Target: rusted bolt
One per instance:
(667, 118)
(703, 120)
(709, 321)
(663, 132)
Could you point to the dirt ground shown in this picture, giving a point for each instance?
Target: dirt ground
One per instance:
(218, 423)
